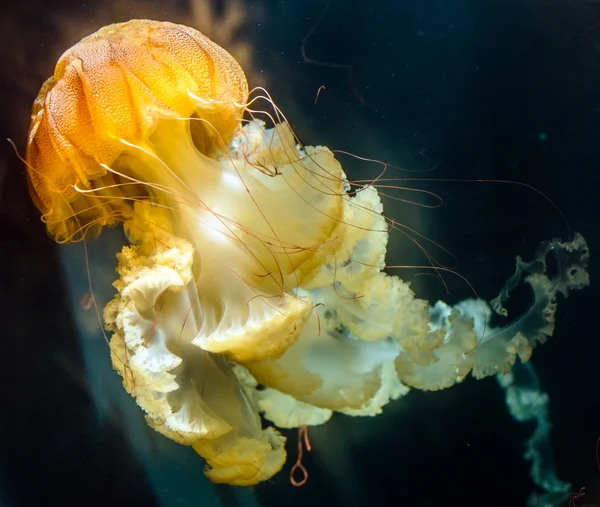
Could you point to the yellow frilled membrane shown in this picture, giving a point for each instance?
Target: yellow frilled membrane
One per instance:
(254, 282)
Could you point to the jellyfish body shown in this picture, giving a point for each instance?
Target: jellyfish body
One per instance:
(254, 281)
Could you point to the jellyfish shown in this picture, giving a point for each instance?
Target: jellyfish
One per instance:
(254, 280)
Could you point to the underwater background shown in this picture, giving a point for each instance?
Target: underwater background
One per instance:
(457, 90)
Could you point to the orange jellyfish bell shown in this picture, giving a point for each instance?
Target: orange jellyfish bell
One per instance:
(108, 91)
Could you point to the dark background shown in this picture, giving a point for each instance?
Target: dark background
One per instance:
(447, 89)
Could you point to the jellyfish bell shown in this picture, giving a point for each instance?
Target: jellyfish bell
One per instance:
(254, 282)
(111, 89)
